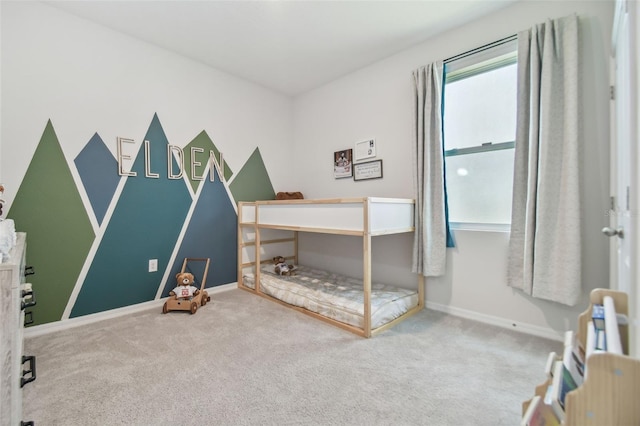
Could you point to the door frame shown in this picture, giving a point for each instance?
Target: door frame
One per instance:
(629, 8)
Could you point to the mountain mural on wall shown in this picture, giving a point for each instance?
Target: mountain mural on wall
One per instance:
(50, 210)
(211, 231)
(204, 142)
(95, 165)
(252, 182)
(145, 224)
(150, 218)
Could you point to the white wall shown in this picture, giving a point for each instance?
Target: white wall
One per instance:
(375, 102)
(87, 78)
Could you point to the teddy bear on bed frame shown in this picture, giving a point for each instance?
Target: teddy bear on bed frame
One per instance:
(281, 267)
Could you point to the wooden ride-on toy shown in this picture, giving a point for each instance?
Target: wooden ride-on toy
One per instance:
(175, 303)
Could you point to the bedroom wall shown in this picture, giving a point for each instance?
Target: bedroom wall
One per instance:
(375, 102)
(69, 89)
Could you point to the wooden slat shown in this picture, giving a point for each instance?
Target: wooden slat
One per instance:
(279, 240)
(240, 245)
(257, 251)
(313, 229)
(262, 262)
(312, 201)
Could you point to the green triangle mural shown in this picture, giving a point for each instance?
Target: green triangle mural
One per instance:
(252, 181)
(49, 209)
(202, 141)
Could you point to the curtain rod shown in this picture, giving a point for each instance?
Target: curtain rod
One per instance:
(481, 48)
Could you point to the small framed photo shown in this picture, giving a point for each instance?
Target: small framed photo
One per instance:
(365, 149)
(367, 170)
(343, 164)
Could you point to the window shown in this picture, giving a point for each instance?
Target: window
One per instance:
(479, 135)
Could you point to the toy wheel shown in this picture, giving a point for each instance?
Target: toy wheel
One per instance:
(165, 309)
(194, 307)
(204, 299)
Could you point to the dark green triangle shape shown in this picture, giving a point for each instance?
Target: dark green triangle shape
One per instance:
(49, 209)
(203, 141)
(252, 181)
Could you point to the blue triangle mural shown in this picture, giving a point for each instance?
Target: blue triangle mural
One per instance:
(145, 224)
(98, 171)
(212, 233)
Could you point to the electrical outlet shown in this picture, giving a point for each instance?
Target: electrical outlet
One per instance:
(153, 265)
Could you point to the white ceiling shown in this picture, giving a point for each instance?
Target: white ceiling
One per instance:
(288, 46)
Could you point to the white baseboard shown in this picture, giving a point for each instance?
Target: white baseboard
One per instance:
(39, 330)
(547, 333)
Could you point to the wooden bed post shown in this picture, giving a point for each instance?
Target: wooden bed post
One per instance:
(257, 250)
(366, 273)
(240, 244)
(295, 248)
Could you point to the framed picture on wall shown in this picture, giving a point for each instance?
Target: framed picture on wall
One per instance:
(365, 149)
(343, 164)
(367, 170)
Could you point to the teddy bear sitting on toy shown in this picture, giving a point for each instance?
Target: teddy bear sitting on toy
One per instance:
(185, 288)
(281, 267)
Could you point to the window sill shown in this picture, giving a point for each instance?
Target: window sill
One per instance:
(480, 227)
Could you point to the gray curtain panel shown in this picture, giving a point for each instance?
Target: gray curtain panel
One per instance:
(544, 248)
(430, 243)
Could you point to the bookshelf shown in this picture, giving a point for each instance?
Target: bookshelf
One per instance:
(610, 394)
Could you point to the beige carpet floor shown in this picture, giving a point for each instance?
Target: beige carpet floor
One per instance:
(244, 360)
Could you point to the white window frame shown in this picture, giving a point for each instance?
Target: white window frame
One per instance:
(478, 61)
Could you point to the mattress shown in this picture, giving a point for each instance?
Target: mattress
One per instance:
(335, 296)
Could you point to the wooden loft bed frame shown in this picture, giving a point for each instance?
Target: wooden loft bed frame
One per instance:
(358, 217)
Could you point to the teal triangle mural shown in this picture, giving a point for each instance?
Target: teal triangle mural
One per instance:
(145, 224)
(212, 233)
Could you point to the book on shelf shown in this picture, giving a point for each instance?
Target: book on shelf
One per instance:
(592, 340)
(613, 342)
(550, 401)
(573, 357)
(601, 340)
(548, 368)
(539, 414)
(561, 385)
(597, 316)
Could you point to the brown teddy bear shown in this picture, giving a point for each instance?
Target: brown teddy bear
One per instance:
(282, 268)
(185, 288)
